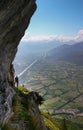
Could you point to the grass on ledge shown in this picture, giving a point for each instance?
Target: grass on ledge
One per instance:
(22, 90)
(49, 121)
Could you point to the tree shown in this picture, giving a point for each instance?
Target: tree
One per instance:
(64, 126)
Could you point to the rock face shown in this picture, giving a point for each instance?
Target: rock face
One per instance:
(27, 115)
(35, 113)
(14, 19)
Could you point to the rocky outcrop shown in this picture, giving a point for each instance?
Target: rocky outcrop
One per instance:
(27, 115)
(34, 111)
(14, 19)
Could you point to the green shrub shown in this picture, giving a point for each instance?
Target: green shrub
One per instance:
(40, 99)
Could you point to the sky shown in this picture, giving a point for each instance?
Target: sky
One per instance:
(56, 20)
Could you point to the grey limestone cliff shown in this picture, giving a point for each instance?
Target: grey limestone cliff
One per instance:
(15, 17)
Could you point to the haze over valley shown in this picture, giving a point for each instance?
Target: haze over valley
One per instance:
(57, 75)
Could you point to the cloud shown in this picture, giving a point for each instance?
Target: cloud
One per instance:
(61, 38)
(79, 36)
(40, 38)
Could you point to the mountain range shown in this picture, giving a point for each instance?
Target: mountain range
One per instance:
(71, 53)
(29, 51)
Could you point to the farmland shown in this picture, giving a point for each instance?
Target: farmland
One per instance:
(61, 85)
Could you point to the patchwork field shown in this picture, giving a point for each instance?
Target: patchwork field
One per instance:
(61, 85)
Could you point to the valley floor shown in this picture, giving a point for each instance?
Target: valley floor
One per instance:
(61, 85)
